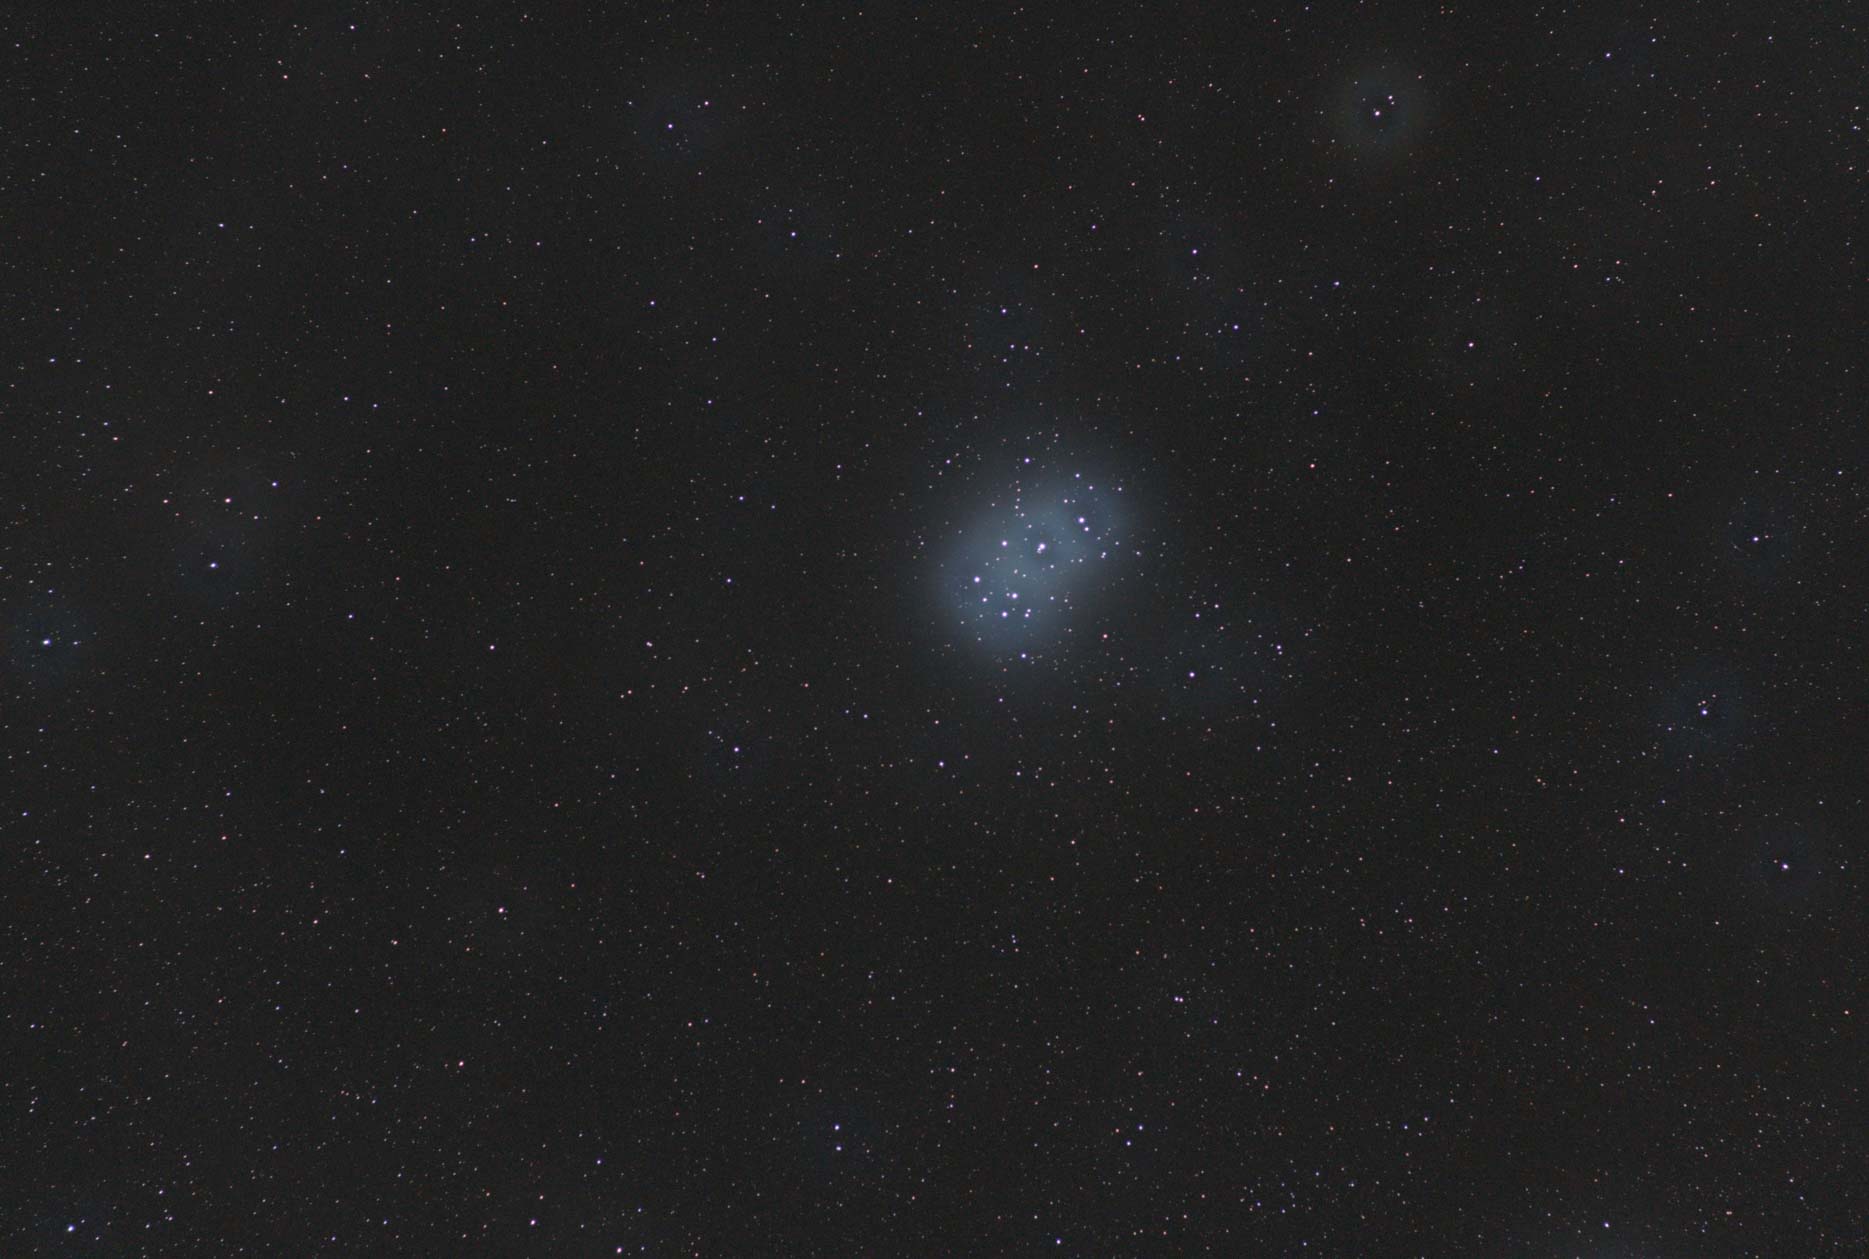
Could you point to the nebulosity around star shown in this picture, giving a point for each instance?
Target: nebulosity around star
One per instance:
(48, 636)
(1378, 113)
(1703, 718)
(1026, 575)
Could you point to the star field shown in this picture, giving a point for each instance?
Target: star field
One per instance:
(753, 631)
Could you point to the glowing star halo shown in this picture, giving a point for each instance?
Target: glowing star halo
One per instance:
(1377, 113)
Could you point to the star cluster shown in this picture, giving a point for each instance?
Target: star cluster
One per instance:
(1037, 566)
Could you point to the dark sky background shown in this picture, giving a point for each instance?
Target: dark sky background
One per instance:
(505, 752)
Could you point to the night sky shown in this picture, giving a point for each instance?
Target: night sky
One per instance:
(1074, 630)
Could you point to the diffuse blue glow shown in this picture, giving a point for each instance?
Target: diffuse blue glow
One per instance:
(1020, 579)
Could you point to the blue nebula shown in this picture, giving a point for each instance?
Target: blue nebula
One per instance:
(1025, 577)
